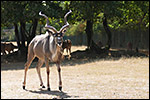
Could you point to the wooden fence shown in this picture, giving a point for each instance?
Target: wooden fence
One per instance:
(119, 38)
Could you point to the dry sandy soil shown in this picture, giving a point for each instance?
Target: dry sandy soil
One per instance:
(124, 78)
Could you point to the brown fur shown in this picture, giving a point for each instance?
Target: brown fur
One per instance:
(3, 48)
(47, 47)
(10, 47)
(7, 47)
(67, 45)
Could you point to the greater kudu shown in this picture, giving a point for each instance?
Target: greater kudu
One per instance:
(47, 47)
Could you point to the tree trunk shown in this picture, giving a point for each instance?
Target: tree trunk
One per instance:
(89, 33)
(22, 31)
(107, 32)
(92, 46)
(32, 35)
(17, 35)
(23, 49)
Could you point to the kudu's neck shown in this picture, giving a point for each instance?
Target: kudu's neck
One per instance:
(55, 50)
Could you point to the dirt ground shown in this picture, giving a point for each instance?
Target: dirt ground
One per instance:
(124, 78)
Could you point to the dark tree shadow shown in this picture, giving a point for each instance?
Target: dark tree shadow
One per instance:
(78, 57)
(58, 94)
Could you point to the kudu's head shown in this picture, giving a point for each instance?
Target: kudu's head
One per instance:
(58, 35)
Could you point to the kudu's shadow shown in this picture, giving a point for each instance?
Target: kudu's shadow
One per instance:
(55, 93)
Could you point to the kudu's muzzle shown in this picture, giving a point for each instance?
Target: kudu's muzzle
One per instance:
(59, 39)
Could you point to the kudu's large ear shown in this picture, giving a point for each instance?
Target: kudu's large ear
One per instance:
(50, 32)
(63, 32)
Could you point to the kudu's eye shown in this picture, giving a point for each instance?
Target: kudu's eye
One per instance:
(64, 31)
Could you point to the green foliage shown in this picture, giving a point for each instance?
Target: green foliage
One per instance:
(76, 29)
(134, 13)
(7, 34)
(98, 28)
(12, 36)
(120, 14)
(28, 10)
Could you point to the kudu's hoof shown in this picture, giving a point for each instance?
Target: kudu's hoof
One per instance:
(43, 86)
(23, 87)
(60, 88)
(49, 89)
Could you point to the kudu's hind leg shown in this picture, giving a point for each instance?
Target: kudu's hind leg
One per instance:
(69, 53)
(67, 50)
(59, 73)
(39, 65)
(27, 64)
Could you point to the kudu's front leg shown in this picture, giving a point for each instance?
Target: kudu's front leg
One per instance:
(59, 73)
(48, 72)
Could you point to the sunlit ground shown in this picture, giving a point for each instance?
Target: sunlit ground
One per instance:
(126, 78)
